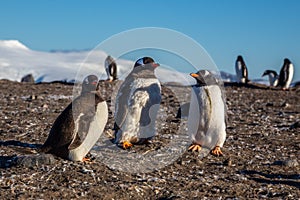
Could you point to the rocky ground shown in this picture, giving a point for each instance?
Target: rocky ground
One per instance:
(261, 151)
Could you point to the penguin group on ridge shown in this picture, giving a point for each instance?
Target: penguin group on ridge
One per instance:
(80, 125)
(285, 76)
(282, 80)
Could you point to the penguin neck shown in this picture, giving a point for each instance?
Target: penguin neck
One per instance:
(95, 92)
(144, 73)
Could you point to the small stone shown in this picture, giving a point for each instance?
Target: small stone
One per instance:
(288, 163)
(228, 162)
(32, 97)
(295, 125)
(27, 79)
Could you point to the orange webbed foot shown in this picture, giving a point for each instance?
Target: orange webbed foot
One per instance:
(86, 160)
(217, 151)
(126, 145)
(195, 147)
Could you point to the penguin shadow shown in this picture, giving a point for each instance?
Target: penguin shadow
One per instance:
(17, 143)
(22, 147)
(260, 177)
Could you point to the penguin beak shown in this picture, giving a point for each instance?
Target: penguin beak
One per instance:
(194, 75)
(94, 83)
(155, 65)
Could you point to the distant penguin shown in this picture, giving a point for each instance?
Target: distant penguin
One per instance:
(110, 68)
(273, 77)
(137, 104)
(78, 127)
(241, 70)
(206, 123)
(286, 74)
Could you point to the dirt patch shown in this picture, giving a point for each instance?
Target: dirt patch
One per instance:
(261, 151)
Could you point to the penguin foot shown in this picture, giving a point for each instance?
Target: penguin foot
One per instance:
(195, 147)
(126, 145)
(86, 160)
(217, 151)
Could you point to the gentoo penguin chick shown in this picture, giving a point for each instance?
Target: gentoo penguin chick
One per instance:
(111, 69)
(78, 127)
(241, 70)
(286, 74)
(206, 121)
(273, 77)
(137, 104)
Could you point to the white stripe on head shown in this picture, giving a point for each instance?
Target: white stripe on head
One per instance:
(140, 61)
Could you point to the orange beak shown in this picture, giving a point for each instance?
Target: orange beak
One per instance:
(155, 65)
(194, 75)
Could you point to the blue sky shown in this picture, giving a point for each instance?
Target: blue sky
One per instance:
(263, 31)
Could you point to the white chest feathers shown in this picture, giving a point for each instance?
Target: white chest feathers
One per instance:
(290, 74)
(142, 83)
(96, 128)
(240, 72)
(139, 99)
(206, 121)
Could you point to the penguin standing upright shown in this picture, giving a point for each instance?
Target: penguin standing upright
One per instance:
(286, 74)
(241, 70)
(110, 68)
(206, 123)
(137, 104)
(79, 126)
(273, 77)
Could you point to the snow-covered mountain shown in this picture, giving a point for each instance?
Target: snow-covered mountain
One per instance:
(17, 60)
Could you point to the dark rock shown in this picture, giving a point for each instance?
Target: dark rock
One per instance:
(34, 160)
(295, 125)
(288, 163)
(27, 79)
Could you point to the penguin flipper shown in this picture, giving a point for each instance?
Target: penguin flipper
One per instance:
(75, 143)
(121, 104)
(59, 135)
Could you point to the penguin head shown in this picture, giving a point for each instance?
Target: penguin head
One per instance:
(267, 72)
(239, 58)
(146, 62)
(89, 83)
(287, 61)
(205, 77)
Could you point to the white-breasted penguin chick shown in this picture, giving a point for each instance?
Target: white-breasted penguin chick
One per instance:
(137, 104)
(286, 74)
(206, 123)
(110, 68)
(273, 77)
(241, 70)
(79, 126)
